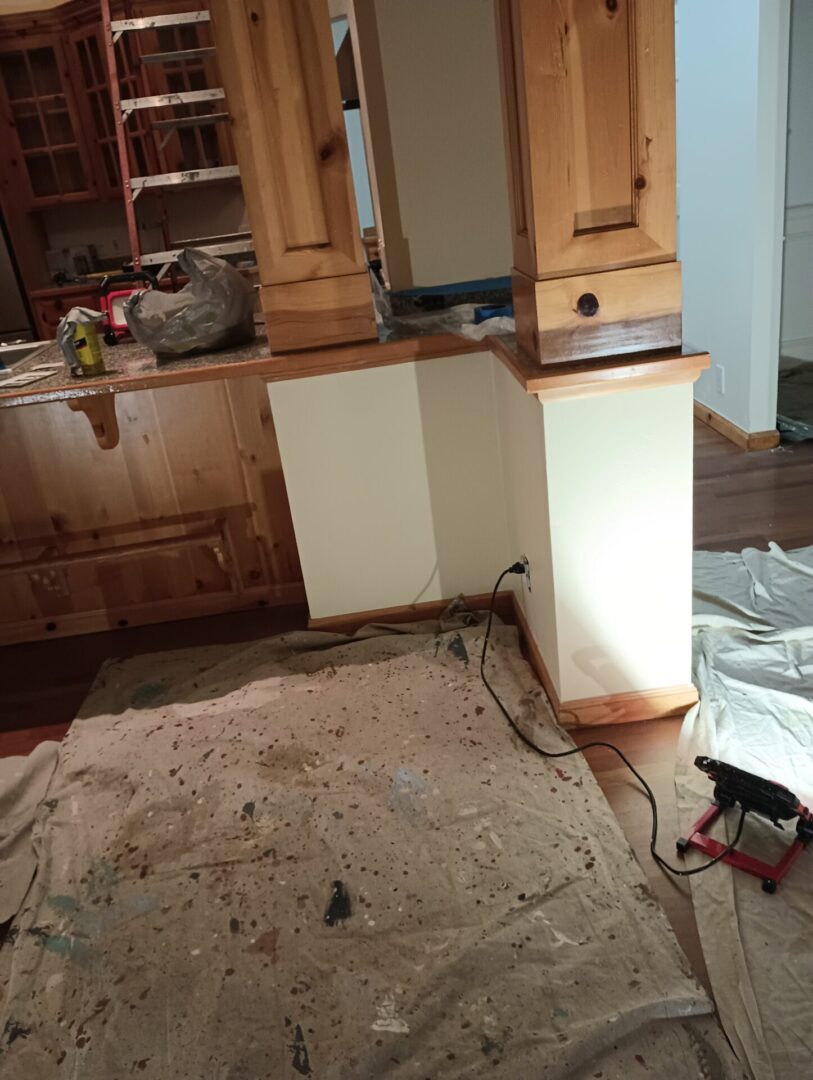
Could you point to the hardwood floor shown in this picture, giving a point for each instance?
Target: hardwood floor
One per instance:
(741, 499)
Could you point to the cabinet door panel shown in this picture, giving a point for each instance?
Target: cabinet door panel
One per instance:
(590, 104)
(280, 76)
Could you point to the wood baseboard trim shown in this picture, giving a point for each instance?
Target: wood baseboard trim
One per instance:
(430, 609)
(533, 654)
(585, 712)
(609, 709)
(627, 708)
(746, 440)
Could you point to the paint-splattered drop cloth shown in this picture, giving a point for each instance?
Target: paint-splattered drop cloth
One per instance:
(208, 803)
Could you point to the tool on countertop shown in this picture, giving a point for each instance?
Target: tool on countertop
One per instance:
(112, 297)
(754, 795)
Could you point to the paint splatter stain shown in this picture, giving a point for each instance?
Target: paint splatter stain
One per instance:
(14, 1031)
(61, 944)
(457, 647)
(147, 694)
(640, 1060)
(339, 907)
(234, 925)
(267, 944)
(562, 774)
(490, 1046)
(65, 905)
(406, 794)
(248, 810)
(387, 1018)
(300, 1060)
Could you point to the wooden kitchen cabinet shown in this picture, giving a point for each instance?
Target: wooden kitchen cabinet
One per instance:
(187, 515)
(45, 148)
(282, 87)
(589, 96)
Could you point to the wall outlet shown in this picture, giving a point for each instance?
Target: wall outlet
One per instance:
(526, 577)
(719, 372)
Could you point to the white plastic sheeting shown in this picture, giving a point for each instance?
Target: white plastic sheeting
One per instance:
(753, 665)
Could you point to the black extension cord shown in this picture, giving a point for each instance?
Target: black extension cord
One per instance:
(519, 568)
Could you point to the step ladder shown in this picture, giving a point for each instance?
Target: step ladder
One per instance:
(133, 186)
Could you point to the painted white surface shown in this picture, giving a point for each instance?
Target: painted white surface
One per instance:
(732, 59)
(619, 471)
(797, 283)
(797, 277)
(393, 478)
(521, 427)
(800, 106)
(418, 481)
(441, 72)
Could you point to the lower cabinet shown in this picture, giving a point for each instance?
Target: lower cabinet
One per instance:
(187, 516)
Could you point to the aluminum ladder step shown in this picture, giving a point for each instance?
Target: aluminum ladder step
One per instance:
(191, 121)
(179, 54)
(232, 247)
(161, 101)
(152, 22)
(190, 176)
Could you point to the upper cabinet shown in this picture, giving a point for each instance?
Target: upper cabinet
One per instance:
(45, 152)
(589, 93)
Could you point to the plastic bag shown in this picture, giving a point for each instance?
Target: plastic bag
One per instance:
(215, 310)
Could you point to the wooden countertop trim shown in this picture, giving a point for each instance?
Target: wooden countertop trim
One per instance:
(558, 382)
(301, 365)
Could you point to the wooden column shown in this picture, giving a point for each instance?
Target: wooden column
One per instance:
(279, 72)
(589, 96)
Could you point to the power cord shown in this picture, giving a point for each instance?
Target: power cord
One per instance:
(520, 568)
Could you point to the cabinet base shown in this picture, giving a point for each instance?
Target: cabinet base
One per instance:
(593, 315)
(324, 311)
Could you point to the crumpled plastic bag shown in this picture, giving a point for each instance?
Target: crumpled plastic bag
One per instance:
(215, 310)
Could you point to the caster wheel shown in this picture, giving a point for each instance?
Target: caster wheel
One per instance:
(682, 846)
(769, 885)
(110, 337)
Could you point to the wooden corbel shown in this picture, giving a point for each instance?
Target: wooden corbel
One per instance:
(101, 412)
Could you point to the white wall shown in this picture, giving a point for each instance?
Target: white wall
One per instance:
(418, 481)
(393, 477)
(620, 495)
(521, 428)
(441, 75)
(797, 279)
(732, 58)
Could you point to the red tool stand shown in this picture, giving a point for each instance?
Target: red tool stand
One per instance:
(771, 874)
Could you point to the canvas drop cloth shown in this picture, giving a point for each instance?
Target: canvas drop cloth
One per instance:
(207, 801)
(753, 665)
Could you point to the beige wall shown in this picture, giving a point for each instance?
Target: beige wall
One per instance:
(619, 471)
(394, 481)
(441, 77)
(418, 481)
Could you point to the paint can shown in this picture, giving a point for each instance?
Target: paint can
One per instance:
(87, 349)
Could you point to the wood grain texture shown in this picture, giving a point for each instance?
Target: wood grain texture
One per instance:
(101, 414)
(282, 86)
(746, 440)
(244, 362)
(325, 311)
(557, 382)
(589, 93)
(639, 309)
(627, 708)
(188, 460)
